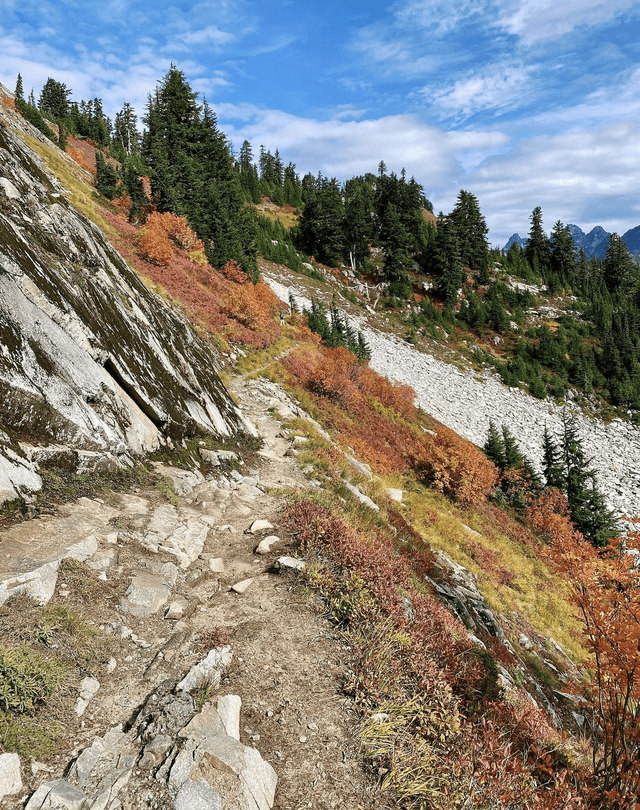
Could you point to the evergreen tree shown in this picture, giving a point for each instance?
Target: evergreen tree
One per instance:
(620, 273)
(537, 250)
(562, 260)
(472, 232)
(54, 99)
(552, 466)
(193, 173)
(358, 223)
(126, 133)
(32, 99)
(512, 455)
(248, 173)
(586, 504)
(62, 137)
(320, 230)
(19, 92)
(494, 446)
(292, 187)
(133, 185)
(447, 263)
(106, 177)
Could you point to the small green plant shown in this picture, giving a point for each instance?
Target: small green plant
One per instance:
(27, 678)
(203, 692)
(166, 487)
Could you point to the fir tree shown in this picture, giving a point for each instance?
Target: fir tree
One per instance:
(562, 260)
(193, 173)
(472, 232)
(54, 99)
(537, 251)
(106, 177)
(447, 264)
(586, 504)
(552, 467)
(494, 446)
(19, 92)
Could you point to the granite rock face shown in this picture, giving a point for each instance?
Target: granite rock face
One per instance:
(91, 360)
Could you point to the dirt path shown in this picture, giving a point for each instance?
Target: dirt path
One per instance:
(287, 664)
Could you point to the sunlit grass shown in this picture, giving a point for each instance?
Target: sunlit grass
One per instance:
(533, 590)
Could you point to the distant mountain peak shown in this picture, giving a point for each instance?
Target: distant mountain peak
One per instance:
(593, 243)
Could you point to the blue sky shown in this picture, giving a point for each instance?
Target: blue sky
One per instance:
(522, 102)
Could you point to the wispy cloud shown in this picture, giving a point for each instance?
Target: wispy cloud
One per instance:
(499, 87)
(343, 148)
(535, 20)
(275, 45)
(211, 35)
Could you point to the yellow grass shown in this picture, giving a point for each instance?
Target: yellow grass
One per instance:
(535, 593)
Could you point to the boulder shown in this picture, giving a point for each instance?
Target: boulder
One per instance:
(10, 777)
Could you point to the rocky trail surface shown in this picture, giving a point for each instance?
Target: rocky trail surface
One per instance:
(222, 689)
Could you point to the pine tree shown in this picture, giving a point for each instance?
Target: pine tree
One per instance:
(472, 232)
(494, 447)
(552, 466)
(537, 250)
(19, 91)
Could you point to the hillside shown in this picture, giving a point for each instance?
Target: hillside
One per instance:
(303, 589)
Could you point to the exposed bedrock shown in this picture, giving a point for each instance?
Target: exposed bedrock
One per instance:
(90, 358)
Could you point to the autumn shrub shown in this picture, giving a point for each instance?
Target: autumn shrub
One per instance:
(548, 515)
(605, 590)
(456, 467)
(345, 396)
(155, 245)
(437, 725)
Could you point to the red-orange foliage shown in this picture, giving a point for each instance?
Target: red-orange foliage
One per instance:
(9, 102)
(503, 757)
(367, 411)
(160, 232)
(456, 467)
(548, 515)
(207, 295)
(605, 588)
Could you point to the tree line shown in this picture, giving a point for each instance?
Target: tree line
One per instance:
(382, 227)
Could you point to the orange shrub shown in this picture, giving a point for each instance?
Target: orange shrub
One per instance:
(549, 516)
(456, 467)
(336, 375)
(160, 231)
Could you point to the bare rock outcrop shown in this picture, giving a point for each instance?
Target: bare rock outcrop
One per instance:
(92, 362)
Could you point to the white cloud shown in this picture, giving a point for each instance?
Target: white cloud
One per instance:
(211, 36)
(535, 20)
(499, 87)
(585, 177)
(345, 148)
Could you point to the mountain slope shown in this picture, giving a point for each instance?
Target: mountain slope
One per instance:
(92, 360)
